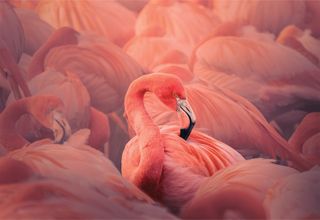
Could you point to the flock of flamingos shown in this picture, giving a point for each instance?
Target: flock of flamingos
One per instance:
(160, 109)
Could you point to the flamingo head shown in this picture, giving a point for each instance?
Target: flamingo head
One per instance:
(172, 93)
(48, 110)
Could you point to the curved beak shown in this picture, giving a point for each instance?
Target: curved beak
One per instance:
(61, 128)
(184, 106)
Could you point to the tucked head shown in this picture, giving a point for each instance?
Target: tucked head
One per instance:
(48, 110)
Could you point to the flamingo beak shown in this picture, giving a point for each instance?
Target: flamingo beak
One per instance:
(184, 105)
(61, 128)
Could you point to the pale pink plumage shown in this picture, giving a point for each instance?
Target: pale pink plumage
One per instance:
(295, 196)
(306, 137)
(11, 30)
(36, 31)
(248, 182)
(163, 18)
(276, 79)
(105, 18)
(71, 181)
(158, 160)
(269, 16)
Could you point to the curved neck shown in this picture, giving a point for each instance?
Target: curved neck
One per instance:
(63, 36)
(9, 137)
(138, 117)
(151, 151)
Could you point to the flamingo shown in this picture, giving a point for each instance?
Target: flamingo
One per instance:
(276, 79)
(142, 49)
(305, 139)
(36, 31)
(105, 18)
(257, 13)
(78, 111)
(71, 92)
(11, 30)
(228, 118)
(77, 101)
(158, 161)
(237, 191)
(48, 178)
(162, 17)
(104, 69)
(47, 110)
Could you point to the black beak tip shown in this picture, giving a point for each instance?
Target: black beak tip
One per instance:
(185, 132)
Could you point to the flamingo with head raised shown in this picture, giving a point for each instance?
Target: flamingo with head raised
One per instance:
(158, 161)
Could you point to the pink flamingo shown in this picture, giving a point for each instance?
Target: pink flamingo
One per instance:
(158, 161)
(188, 30)
(108, 19)
(44, 179)
(47, 110)
(288, 80)
(142, 49)
(257, 13)
(237, 191)
(104, 69)
(77, 102)
(229, 118)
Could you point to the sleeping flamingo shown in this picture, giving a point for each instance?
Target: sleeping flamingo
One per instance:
(158, 161)
(257, 13)
(65, 86)
(43, 180)
(237, 191)
(47, 110)
(162, 18)
(104, 69)
(108, 19)
(276, 79)
(142, 49)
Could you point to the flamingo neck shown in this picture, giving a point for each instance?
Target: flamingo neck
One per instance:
(58, 39)
(9, 137)
(151, 150)
(138, 118)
